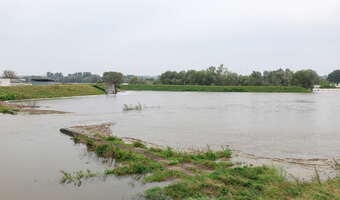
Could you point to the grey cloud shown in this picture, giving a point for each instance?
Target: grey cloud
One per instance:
(150, 36)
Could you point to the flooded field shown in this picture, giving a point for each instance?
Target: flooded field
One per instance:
(33, 152)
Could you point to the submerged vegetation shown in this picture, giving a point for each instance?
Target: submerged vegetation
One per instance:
(6, 109)
(127, 107)
(48, 91)
(202, 88)
(77, 177)
(199, 174)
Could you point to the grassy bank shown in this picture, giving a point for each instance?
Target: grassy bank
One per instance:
(48, 91)
(200, 88)
(198, 175)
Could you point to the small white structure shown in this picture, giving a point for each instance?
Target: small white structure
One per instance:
(12, 82)
(5, 82)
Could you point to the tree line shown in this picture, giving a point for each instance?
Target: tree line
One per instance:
(78, 77)
(210, 76)
(221, 76)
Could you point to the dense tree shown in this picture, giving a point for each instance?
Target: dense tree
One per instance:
(221, 76)
(9, 74)
(113, 79)
(278, 77)
(334, 77)
(305, 78)
(255, 78)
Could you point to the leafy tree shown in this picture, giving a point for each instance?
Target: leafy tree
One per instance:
(9, 74)
(334, 77)
(113, 79)
(255, 78)
(305, 78)
(221, 76)
(278, 77)
(136, 80)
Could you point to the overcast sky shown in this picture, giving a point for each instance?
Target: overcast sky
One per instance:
(151, 36)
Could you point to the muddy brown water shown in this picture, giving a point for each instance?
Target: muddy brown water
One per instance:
(32, 151)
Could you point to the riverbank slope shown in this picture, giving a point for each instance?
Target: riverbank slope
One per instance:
(47, 91)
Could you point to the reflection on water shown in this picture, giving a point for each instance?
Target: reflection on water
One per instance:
(33, 152)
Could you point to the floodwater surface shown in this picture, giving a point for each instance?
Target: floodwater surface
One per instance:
(33, 152)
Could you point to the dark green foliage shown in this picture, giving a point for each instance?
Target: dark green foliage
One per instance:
(334, 77)
(135, 166)
(7, 97)
(221, 76)
(139, 145)
(305, 78)
(104, 150)
(156, 194)
(113, 79)
(114, 139)
(163, 175)
(238, 183)
(203, 88)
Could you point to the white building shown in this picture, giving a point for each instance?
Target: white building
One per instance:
(5, 82)
(12, 82)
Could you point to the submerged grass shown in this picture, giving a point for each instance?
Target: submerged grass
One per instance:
(47, 91)
(127, 107)
(77, 177)
(199, 175)
(202, 88)
(5, 109)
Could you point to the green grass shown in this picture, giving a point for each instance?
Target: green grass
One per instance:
(201, 88)
(201, 175)
(48, 91)
(245, 183)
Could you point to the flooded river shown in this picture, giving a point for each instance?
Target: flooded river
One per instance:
(33, 152)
